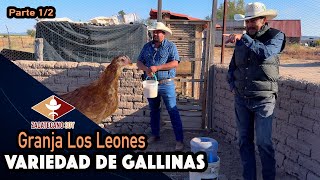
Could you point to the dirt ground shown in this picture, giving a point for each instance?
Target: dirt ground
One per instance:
(307, 70)
(302, 69)
(230, 164)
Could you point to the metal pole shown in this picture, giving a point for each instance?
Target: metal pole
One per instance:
(225, 7)
(210, 74)
(159, 15)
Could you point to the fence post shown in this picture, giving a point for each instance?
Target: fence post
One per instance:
(38, 49)
(21, 42)
(9, 41)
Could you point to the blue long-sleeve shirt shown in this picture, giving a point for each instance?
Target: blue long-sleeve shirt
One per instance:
(263, 51)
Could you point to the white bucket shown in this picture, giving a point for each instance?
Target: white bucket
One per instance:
(150, 88)
(212, 172)
(206, 144)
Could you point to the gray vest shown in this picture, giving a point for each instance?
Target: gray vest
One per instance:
(254, 77)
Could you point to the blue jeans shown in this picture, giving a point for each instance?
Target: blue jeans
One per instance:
(168, 93)
(258, 112)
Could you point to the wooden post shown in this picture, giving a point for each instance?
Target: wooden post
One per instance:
(197, 62)
(212, 33)
(21, 42)
(225, 7)
(210, 78)
(38, 49)
(159, 14)
(9, 41)
(3, 44)
(205, 76)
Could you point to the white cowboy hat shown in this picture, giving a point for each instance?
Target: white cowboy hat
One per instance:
(256, 9)
(162, 27)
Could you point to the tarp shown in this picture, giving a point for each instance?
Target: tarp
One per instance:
(80, 42)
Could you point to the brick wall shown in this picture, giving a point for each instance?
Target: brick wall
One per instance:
(132, 115)
(296, 126)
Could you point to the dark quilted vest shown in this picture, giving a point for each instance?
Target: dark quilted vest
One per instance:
(256, 77)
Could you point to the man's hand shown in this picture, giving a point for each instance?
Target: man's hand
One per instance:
(149, 72)
(153, 69)
(232, 38)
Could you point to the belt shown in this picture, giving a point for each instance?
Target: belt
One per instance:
(164, 81)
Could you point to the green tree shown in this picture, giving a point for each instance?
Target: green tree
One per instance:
(31, 32)
(240, 7)
(122, 13)
(234, 7)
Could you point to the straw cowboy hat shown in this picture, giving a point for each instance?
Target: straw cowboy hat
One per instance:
(254, 10)
(162, 27)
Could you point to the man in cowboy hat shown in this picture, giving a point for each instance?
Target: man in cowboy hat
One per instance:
(160, 57)
(252, 75)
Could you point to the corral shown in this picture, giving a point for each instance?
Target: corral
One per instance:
(296, 125)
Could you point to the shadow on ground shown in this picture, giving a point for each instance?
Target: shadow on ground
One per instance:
(230, 167)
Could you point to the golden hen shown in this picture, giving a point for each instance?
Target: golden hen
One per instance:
(99, 99)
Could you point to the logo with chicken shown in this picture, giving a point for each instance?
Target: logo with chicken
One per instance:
(53, 108)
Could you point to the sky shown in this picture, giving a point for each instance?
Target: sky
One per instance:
(308, 11)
